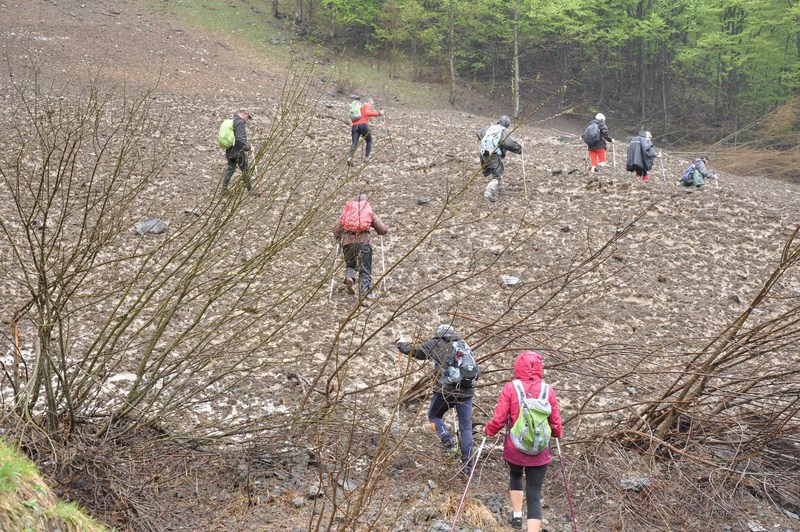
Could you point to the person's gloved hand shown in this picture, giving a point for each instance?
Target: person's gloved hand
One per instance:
(380, 112)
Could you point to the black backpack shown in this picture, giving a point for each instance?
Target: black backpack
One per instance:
(591, 136)
(459, 367)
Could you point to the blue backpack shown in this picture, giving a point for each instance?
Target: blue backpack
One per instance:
(687, 179)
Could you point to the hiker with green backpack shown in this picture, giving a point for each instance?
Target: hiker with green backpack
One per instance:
(359, 118)
(696, 173)
(528, 408)
(233, 138)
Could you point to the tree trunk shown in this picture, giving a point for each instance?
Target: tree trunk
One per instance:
(452, 52)
(515, 82)
(275, 13)
(298, 12)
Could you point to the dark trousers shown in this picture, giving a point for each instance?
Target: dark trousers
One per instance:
(241, 162)
(534, 478)
(358, 258)
(492, 165)
(439, 407)
(361, 130)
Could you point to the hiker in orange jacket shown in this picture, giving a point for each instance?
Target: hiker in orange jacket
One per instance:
(360, 129)
(352, 232)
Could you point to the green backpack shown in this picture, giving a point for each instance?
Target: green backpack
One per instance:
(225, 137)
(355, 110)
(530, 433)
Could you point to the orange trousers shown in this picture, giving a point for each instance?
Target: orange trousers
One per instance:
(597, 156)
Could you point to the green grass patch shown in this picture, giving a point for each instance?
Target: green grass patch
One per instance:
(249, 25)
(26, 502)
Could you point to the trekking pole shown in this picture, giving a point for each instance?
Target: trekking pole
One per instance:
(613, 158)
(389, 135)
(566, 486)
(661, 163)
(383, 268)
(524, 176)
(258, 177)
(466, 488)
(333, 273)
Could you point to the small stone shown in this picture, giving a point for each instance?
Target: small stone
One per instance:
(756, 527)
(151, 225)
(510, 280)
(314, 491)
(348, 485)
(631, 390)
(791, 515)
(298, 502)
(736, 299)
(424, 200)
(432, 484)
(567, 228)
(634, 484)
(37, 224)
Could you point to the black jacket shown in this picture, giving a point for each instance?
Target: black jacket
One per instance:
(641, 155)
(240, 134)
(437, 349)
(604, 135)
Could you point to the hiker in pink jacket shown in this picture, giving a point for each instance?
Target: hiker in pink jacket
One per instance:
(528, 369)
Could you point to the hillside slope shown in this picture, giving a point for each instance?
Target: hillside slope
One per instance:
(621, 281)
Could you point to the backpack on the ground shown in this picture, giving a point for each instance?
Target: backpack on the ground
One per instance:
(491, 140)
(357, 216)
(591, 135)
(530, 433)
(225, 137)
(355, 110)
(687, 179)
(459, 367)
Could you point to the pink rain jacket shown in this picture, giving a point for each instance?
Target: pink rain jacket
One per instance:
(528, 369)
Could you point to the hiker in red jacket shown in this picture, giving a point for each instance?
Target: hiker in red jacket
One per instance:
(528, 370)
(360, 129)
(352, 232)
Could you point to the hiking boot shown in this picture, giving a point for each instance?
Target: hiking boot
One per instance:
(452, 451)
(515, 522)
(366, 159)
(348, 285)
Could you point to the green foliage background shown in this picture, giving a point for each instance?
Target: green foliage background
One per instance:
(684, 66)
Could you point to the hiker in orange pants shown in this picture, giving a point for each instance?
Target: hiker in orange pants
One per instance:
(595, 137)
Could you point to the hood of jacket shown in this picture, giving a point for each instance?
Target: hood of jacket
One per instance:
(528, 366)
(449, 336)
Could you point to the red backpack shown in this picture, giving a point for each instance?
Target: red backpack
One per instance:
(357, 216)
